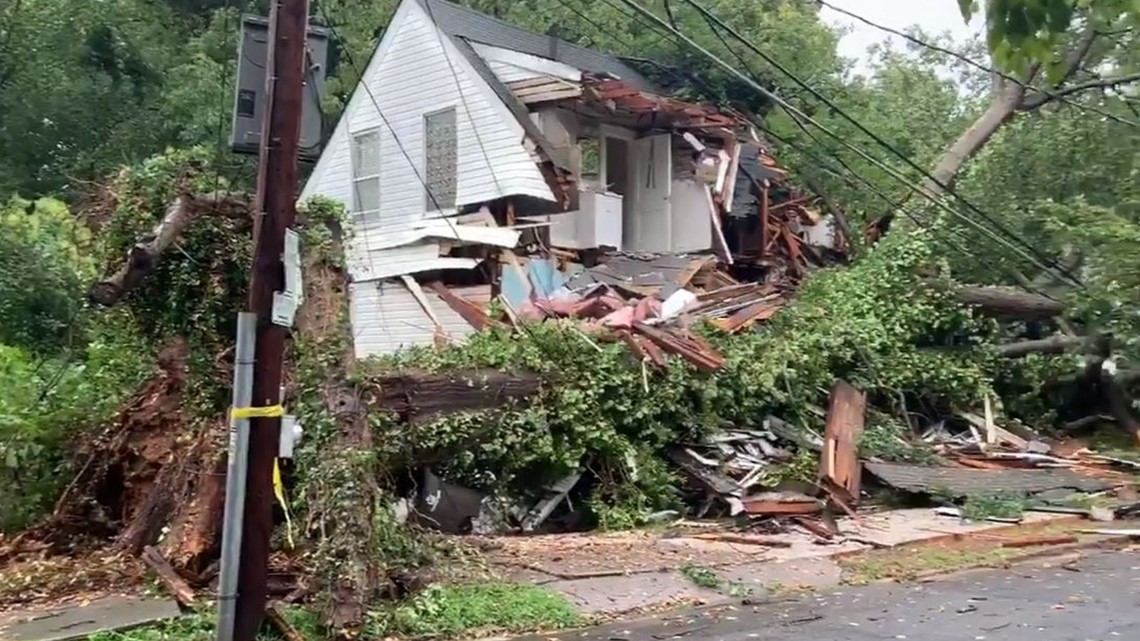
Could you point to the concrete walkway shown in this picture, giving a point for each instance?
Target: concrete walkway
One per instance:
(1090, 598)
(79, 620)
(631, 572)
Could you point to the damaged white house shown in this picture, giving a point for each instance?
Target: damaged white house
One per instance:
(500, 161)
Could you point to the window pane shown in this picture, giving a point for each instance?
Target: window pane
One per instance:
(367, 194)
(366, 154)
(440, 147)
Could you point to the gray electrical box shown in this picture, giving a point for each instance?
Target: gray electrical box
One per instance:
(249, 98)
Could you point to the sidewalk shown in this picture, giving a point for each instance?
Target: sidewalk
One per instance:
(631, 572)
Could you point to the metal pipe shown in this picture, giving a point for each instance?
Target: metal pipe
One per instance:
(238, 463)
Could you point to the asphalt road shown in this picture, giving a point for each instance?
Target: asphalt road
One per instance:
(1091, 598)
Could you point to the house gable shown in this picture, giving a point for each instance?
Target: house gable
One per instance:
(417, 70)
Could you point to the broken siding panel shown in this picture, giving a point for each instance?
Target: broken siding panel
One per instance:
(410, 76)
(511, 66)
(386, 317)
(373, 264)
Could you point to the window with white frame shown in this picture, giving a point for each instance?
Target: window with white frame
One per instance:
(440, 159)
(366, 177)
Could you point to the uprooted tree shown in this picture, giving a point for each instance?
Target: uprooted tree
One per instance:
(508, 415)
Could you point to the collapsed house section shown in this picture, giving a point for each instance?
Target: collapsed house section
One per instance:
(643, 189)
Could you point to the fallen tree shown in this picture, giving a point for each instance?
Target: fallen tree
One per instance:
(507, 414)
(1009, 303)
(145, 254)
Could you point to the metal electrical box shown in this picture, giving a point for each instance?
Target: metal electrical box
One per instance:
(250, 98)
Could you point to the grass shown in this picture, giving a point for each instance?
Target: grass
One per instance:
(910, 562)
(451, 611)
(440, 612)
(196, 626)
(708, 578)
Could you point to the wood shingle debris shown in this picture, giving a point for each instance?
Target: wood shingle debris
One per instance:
(650, 303)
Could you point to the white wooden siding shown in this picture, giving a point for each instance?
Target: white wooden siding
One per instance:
(386, 317)
(409, 76)
(513, 66)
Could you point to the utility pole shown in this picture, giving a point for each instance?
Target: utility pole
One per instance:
(275, 210)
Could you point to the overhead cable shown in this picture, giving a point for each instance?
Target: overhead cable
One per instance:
(866, 156)
(977, 65)
(1045, 262)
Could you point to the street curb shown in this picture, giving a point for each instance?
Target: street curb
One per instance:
(1045, 552)
(996, 530)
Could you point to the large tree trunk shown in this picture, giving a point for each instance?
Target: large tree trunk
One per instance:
(1001, 302)
(1001, 111)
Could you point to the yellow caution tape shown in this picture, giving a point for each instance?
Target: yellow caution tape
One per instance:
(279, 492)
(270, 411)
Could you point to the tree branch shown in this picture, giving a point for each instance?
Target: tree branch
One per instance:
(147, 251)
(1052, 345)
(1004, 302)
(1039, 99)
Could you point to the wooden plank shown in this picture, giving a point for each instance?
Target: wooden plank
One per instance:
(845, 416)
(175, 584)
(768, 506)
(469, 311)
(276, 618)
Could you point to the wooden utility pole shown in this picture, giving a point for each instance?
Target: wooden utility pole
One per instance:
(275, 212)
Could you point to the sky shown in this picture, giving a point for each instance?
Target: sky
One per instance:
(934, 16)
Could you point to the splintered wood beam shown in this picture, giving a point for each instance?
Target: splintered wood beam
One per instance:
(839, 462)
(175, 584)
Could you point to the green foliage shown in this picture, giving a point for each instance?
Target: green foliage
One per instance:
(464, 611)
(197, 290)
(803, 468)
(887, 439)
(44, 265)
(1022, 32)
(997, 505)
(702, 577)
(60, 373)
(874, 323)
(45, 404)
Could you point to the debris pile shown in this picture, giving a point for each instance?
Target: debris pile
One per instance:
(651, 302)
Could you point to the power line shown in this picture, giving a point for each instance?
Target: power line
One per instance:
(362, 83)
(855, 178)
(403, 150)
(711, 93)
(466, 107)
(1052, 264)
(977, 65)
(1036, 260)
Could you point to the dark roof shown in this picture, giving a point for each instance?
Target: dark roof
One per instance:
(460, 22)
(744, 201)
